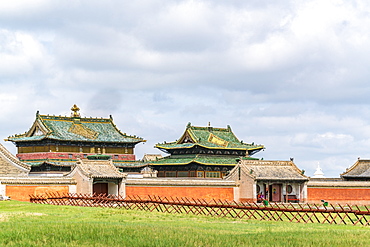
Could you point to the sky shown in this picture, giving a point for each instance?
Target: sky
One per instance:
(291, 75)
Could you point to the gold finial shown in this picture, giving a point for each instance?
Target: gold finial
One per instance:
(75, 110)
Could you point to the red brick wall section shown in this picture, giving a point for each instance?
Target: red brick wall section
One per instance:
(57, 155)
(22, 192)
(247, 200)
(339, 195)
(207, 193)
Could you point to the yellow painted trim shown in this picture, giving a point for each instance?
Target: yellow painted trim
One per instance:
(202, 163)
(207, 147)
(63, 120)
(191, 135)
(170, 164)
(217, 164)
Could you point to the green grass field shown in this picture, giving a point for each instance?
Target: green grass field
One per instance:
(26, 224)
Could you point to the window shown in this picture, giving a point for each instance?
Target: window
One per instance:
(212, 174)
(258, 188)
(170, 174)
(182, 174)
(289, 189)
(200, 174)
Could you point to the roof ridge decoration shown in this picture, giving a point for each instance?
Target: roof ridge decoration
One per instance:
(75, 109)
(79, 129)
(217, 140)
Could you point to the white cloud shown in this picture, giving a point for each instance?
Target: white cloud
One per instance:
(22, 55)
(292, 76)
(23, 6)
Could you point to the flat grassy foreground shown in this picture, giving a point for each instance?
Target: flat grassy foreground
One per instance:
(26, 224)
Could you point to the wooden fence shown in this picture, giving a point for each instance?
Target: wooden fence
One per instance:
(293, 212)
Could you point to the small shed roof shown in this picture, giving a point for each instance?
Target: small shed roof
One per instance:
(271, 170)
(152, 157)
(360, 169)
(98, 169)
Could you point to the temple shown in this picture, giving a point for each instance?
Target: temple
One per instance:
(203, 152)
(75, 154)
(55, 143)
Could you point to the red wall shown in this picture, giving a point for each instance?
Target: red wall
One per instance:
(315, 195)
(339, 195)
(207, 193)
(22, 192)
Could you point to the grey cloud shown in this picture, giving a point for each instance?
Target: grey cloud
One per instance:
(279, 77)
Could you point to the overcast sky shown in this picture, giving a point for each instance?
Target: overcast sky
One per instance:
(291, 75)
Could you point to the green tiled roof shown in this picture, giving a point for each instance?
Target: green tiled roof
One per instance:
(209, 137)
(75, 129)
(56, 162)
(203, 159)
(125, 163)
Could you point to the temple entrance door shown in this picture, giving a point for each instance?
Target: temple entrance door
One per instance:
(275, 192)
(100, 188)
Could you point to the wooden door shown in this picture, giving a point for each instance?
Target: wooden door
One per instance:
(276, 192)
(100, 188)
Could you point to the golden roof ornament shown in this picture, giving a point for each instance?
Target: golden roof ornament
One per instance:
(75, 110)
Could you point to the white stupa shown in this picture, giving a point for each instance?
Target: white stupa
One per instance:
(318, 173)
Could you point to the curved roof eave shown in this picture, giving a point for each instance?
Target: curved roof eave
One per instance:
(58, 139)
(196, 144)
(195, 161)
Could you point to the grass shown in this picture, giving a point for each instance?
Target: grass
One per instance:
(26, 224)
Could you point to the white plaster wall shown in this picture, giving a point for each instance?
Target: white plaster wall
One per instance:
(72, 189)
(254, 192)
(122, 189)
(305, 192)
(113, 189)
(2, 189)
(295, 189)
(236, 194)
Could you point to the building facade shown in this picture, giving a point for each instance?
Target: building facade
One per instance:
(274, 181)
